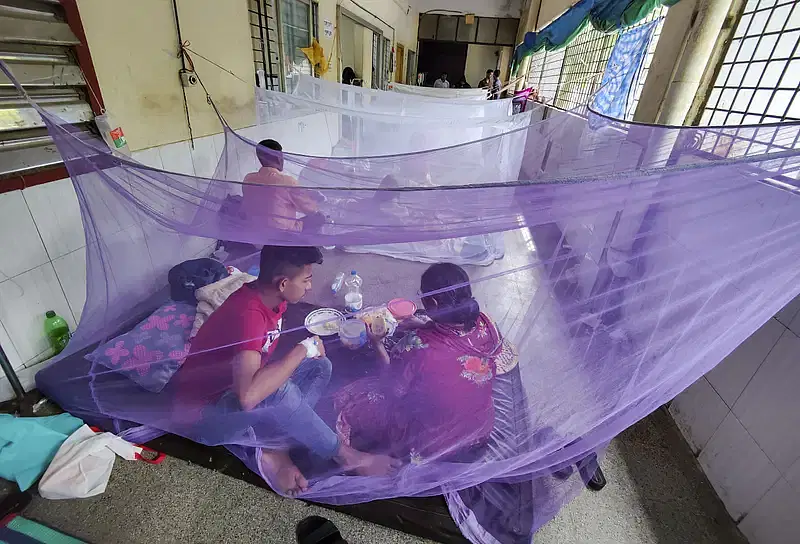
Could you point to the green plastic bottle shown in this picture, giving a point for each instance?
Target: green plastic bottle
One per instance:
(57, 331)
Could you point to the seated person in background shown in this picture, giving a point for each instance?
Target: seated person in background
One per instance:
(435, 397)
(442, 82)
(235, 386)
(348, 75)
(486, 83)
(462, 83)
(281, 200)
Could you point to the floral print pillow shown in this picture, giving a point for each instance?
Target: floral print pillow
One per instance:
(153, 350)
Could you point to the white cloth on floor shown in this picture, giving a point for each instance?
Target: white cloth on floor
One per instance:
(83, 463)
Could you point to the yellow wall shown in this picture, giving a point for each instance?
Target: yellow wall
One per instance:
(134, 50)
(395, 18)
(552, 9)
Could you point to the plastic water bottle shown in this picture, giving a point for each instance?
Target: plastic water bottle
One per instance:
(337, 283)
(353, 299)
(57, 331)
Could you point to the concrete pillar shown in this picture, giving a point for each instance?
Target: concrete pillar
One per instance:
(680, 60)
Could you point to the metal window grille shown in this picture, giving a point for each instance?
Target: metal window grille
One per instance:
(387, 63)
(376, 60)
(759, 78)
(569, 77)
(264, 34)
(295, 18)
(315, 20)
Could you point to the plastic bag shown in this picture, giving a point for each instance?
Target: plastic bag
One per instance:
(83, 463)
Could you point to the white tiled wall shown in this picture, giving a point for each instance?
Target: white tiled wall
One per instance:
(43, 253)
(743, 421)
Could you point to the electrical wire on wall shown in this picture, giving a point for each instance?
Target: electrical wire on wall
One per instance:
(183, 64)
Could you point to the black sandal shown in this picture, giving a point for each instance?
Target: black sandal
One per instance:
(318, 530)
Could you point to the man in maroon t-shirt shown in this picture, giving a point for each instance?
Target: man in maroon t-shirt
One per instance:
(230, 386)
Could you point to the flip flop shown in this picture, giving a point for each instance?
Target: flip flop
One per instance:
(318, 530)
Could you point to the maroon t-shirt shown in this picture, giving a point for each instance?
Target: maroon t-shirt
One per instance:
(242, 323)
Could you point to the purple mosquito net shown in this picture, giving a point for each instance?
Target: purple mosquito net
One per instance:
(613, 265)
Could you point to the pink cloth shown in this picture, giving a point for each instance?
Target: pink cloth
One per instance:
(435, 398)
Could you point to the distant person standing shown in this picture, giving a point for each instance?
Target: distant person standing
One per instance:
(495, 92)
(462, 83)
(442, 82)
(486, 83)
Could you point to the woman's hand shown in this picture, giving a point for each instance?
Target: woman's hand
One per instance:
(377, 338)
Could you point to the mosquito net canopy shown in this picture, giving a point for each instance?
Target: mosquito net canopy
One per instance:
(410, 106)
(634, 259)
(463, 94)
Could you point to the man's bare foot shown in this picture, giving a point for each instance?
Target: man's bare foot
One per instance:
(366, 464)
(280, 470)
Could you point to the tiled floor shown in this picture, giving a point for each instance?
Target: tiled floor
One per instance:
(656, 495)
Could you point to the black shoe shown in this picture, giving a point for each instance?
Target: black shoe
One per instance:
(318, 530)
(597, 481)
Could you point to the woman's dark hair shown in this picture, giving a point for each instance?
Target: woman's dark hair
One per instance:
(497, 74)
(270, 153)
(285, 262)
(348, 75)
(456, 305)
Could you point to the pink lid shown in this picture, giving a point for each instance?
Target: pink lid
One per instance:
(402, 308)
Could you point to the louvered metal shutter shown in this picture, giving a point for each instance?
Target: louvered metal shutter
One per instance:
(37, 44)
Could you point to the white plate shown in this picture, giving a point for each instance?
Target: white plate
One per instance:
(324, 322)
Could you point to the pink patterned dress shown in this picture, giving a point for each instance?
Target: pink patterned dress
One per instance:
(434, 400)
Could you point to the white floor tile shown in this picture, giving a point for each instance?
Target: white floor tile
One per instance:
(149, 157)
(789, 312)
(164, 247)
(71, 272)
(770, 406)
(23, 303)
(698, 411)
(57, 214)
(731, 376)
(776, 517)
(204, 157)
(21, 248)
(177, 158)
(195, 247)
(737, 468)
(794, 326)
(131, 270)
(6, 393)
(793, 475)
(27, 378)
(219, 143)
(9, 349)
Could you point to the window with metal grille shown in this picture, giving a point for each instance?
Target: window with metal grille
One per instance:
(569, 77)
(264, 34)
(376, 60)
(295, 18)
(387, 63)
(759, 78)
(315, 20)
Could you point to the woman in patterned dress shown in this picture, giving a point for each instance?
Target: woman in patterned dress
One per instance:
(434, 397)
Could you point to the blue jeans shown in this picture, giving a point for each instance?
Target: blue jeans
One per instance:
(287, 416)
